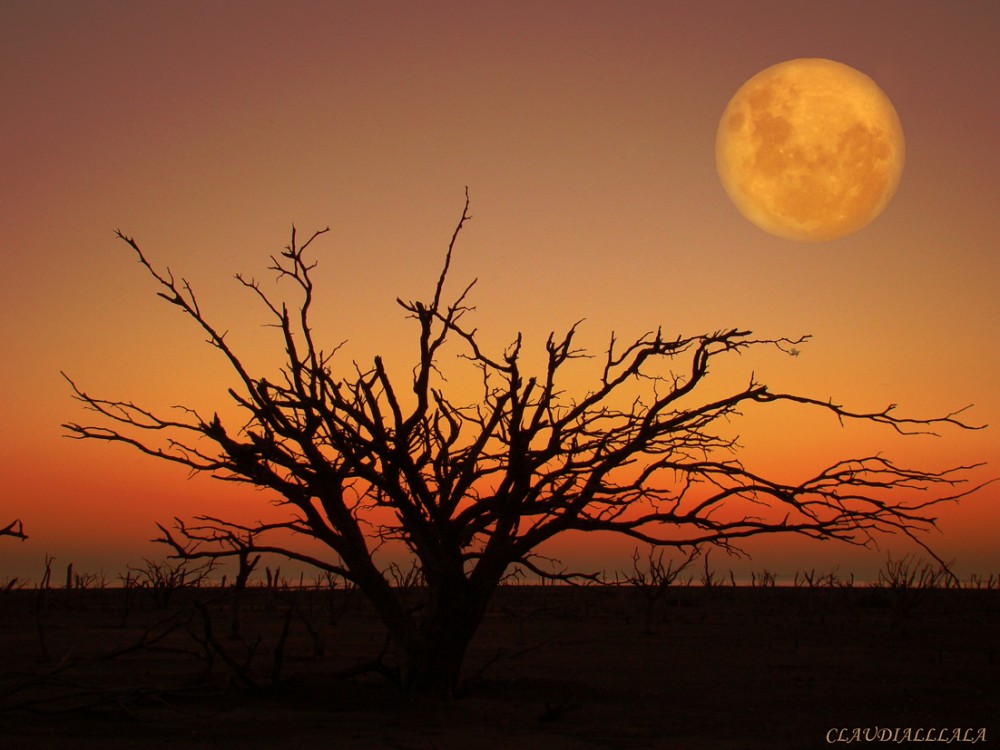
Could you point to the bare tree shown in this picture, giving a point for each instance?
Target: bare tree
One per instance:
(472, 489)
(15, 529)
(653, 580)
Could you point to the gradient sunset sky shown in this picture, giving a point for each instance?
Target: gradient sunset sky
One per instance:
(585, 133)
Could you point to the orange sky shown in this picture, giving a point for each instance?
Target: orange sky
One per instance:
(585, 132)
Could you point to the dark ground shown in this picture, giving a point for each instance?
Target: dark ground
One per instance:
(553, 668)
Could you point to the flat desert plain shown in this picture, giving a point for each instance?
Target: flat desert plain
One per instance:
(552, 668)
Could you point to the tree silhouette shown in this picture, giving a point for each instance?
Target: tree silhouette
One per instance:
(472, 490)
(15, 529)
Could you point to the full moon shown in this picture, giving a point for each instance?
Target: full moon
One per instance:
(810, 150)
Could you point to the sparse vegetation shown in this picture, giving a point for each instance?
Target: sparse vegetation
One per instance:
(10, 583)
(989, 582)
(161, 579)
(907, 583)
(812, 579)
(762, 579)
(653, 578)
(579, 671)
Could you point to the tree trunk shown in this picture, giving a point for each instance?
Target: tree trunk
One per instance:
(434, 665)
(430, 663)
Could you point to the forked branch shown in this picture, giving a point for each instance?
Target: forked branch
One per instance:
(15, 529)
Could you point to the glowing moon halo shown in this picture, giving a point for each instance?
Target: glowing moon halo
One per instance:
(810, 150)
